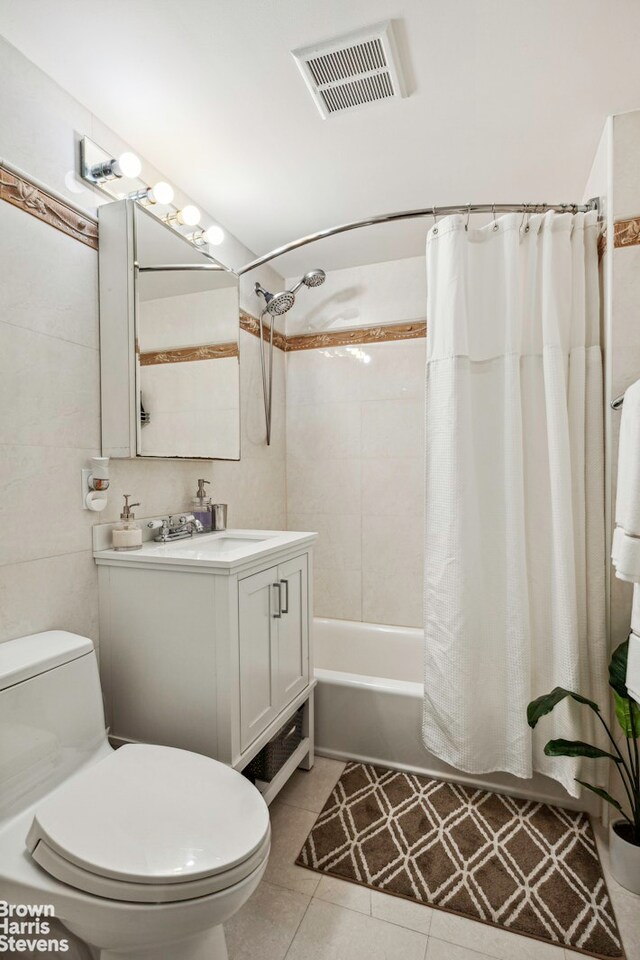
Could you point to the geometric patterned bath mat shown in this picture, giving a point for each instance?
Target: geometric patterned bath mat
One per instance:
(519, 864)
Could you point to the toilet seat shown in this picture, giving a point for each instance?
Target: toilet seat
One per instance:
(152, 824)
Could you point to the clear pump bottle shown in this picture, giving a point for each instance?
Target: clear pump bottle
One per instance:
(201, 507)
(127, 535)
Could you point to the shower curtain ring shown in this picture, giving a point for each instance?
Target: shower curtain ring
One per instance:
(435, 220)
(466, 226)
(525, 223)
(493, 213)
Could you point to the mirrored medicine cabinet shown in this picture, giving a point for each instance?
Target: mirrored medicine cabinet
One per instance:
(169, 342)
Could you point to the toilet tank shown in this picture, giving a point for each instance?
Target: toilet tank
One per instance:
(51, 714)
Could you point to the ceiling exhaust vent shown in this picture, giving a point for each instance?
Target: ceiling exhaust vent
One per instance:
(352, 71)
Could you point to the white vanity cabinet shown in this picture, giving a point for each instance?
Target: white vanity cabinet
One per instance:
(205, 644)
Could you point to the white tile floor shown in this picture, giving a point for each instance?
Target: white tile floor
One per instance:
(302, 915)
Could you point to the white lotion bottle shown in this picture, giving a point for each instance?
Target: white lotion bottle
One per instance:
(127, 535)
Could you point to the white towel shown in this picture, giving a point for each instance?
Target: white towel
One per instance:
(625, 552)
(635, 612)
(625, 555)
(633, 667)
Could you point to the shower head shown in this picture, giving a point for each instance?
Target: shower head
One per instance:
(279, 303)
(314, 278)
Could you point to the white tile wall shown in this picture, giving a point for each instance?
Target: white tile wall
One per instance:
(623, 344)
(355, 451)
(49, 383)
(626, 137)
(625, 366)
(50, 426)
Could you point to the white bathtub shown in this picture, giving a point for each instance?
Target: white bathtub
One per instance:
(369, 707)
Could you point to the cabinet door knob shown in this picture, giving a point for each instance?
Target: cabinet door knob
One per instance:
(285, 608)
(277, 587)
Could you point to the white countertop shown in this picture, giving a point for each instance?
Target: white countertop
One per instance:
(224, 550)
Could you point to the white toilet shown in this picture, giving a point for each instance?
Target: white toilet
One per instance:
(142, 852)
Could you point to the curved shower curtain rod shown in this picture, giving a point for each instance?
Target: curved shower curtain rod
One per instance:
(434, 212)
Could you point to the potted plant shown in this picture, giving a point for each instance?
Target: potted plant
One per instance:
(624, 833)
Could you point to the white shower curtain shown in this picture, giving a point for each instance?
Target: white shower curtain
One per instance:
(514, 548)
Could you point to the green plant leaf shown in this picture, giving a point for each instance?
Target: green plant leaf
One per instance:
(545, 704)
(602, 794)
(618, 669)
(577, 748)
(626, 708)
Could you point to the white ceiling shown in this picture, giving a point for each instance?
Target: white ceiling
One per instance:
(508, 99)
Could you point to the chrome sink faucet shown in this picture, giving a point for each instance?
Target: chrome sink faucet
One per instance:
(175, 528)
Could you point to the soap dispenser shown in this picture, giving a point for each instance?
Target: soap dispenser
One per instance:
(127, 535)
(201, 507)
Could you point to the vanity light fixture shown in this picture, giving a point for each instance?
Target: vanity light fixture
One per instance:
(161, 192)
(212, 235)
(126, 165)
(99, 168)
(188, 216)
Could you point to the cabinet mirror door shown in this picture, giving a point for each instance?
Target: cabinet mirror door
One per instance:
(169, 336)
(188, 373)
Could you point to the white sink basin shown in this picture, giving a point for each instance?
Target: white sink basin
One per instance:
(226, 544)
(219, 543)
(218, 550)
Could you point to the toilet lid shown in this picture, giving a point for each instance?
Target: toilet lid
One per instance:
(153, 815)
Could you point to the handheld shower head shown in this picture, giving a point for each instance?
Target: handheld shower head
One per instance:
(280, 303)
(277, 303)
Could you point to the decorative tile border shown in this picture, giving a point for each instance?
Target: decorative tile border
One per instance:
(385, 333)
(251, 324)
(212, 351)
(626, 233)
(24, 194)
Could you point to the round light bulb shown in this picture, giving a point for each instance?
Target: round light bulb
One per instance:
(214, 235)
(129, 165)
(161, 192)
(189, 215)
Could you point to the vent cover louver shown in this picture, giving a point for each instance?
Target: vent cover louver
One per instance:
(353, 70)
